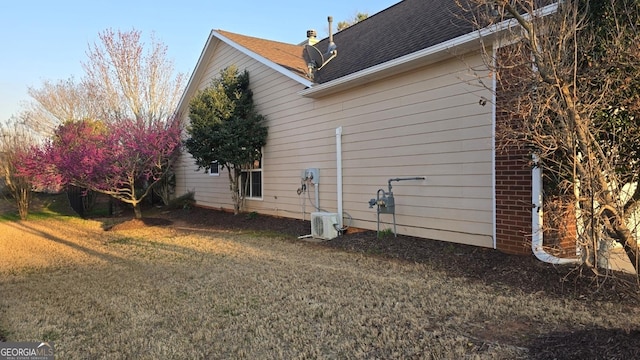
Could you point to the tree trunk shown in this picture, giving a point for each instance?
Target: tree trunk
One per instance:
(629, 242)
(23, 199)
(631, 248)
(234, 179)
(136, 210)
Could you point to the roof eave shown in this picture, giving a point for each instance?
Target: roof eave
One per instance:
(261, 59)
(402, 64)
(430, 55)
(188, 90)
(213, 40)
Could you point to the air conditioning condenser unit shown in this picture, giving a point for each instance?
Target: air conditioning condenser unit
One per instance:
(323, 225)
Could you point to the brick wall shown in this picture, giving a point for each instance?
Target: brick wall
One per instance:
(560, 227)
(513, 168)
(513, 200)
(513, 177)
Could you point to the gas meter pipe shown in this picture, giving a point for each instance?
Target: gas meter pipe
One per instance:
(385, 202)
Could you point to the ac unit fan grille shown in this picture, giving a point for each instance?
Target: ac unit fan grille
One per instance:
(323, 225)
(318, 223)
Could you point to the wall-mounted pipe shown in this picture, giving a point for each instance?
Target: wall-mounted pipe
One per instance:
(537, 222)
(385, 202)
(339, 173)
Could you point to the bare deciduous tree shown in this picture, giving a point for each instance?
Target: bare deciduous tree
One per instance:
(123, 79)
(571, 69)
(56, 102)
(128, 81)
(15, 138)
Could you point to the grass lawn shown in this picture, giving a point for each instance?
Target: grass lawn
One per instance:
(171, 293)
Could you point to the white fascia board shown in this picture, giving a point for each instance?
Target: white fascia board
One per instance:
(186, 94)
(423, 57)
(212, 42)
(262, 59)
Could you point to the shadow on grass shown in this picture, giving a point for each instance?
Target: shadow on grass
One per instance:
(4, 334)
(43, 206)
(592, 343)
(24, 226)
(501, 271)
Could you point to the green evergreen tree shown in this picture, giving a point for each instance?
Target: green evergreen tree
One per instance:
(225, 127)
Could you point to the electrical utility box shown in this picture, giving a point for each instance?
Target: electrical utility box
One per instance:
(312, 174)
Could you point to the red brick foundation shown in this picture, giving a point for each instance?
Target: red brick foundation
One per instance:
(513, 202)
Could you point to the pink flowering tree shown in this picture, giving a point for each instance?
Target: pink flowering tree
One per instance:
(142, 154)
(122, 158)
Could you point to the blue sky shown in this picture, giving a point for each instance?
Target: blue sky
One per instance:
(47, 40)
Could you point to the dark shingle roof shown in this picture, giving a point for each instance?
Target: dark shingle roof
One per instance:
(402, 29)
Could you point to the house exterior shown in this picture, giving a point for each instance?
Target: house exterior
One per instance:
(408, 95)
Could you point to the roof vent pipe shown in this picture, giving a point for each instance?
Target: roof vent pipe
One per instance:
(311, 36)
(332, 45)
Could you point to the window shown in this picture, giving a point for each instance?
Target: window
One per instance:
(251, 180)
(214, 170)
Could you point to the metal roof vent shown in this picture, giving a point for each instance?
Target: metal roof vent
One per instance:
(311, 36)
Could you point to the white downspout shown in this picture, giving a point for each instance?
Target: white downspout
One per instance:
(339, 173)
(536, 220)
(494, 100)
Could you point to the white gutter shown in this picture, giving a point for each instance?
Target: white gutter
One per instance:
(339, 173)
(536, 220)
(419, 58)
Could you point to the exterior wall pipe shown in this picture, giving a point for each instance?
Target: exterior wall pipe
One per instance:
(536, 220)
(339, 173)
(494, 101)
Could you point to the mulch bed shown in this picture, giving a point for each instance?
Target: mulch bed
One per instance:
(138, 223)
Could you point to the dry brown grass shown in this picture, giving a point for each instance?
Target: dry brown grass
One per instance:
(163, 293)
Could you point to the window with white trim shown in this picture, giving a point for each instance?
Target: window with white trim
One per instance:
(214, 170)
(251, 180)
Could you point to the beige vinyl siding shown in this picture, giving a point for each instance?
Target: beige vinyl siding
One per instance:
(424, 123)
(210, 191)
(276, 97)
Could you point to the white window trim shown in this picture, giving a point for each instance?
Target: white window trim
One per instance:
(217, 165)
(249, 172)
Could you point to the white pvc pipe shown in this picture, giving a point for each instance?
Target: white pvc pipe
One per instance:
(494, 87)
(339, 173)
(536, 220)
